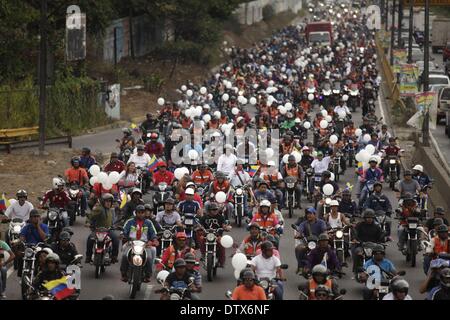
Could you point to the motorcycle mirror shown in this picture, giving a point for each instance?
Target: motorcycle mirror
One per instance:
(284, 266)
(342, 292)
(117, 140)
(401, 273)
(228, 294)
(294, 227)
(301, 287)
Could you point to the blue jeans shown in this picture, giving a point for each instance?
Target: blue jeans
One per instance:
(84, 203)
(279, 290)
(3, 273)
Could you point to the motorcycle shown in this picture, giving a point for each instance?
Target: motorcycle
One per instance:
(174, 293)
(340, 242)
(102, 250)
(15, 227)
(354, 98)
(211, 261)
(349, 149)
(304, 296)
(163, 192)
(381, 219)
(412, 244)
(28, 270)
(74, 208)
(290, 196)
(308, 181)
(363, 253)
(380, 286)
(392, 174)
(189, 221)
(55, 223)
(166, 237)
(137, 259)
(239, 209)
(335, 165)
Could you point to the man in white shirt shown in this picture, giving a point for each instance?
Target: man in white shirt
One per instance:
(19, 209)
(240, 177)
(342, 108)
(266, 265)
(142, 159)
(227, 161)
(320, 164)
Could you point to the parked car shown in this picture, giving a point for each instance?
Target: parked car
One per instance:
(419, 37)
(443, 106)
(446, 52)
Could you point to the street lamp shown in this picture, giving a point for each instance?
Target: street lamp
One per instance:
(392, 33)
(425, 76)
(42, 74)
(410, 34)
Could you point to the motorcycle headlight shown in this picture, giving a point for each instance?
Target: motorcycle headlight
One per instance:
(327, 201)
(73, 193)
(29, 253)
(52, 215)
(149, 135)
(392, 161)
(138, 249)
(239, 192)
(311, 245)
(17, 229)
(339, 234)
(368, 252)
(264, 284)
(137, 260)
(162, 186)
(210, 237)
(100, 236)
(167, 234)
(290, 185)
(412, 225)
(175, 296)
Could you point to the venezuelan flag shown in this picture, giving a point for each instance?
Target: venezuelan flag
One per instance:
(4, 203)
(58, 288)
(123, 200)
(360, 169)
(152, 164)
(252, 170)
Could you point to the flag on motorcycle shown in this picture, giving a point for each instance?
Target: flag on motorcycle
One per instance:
(152, 164)
(360, 169)
(123, 200)
(252, 170)
(58, 288)
(134, 127)
(4, 203)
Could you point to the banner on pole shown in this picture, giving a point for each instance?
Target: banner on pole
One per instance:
(399, 59)
(408, 80)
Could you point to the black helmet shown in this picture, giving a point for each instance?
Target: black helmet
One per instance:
(221, 174)
(179, 263)
(86, 149)
(213, 206)
(148, 206)
(368, 213)
(34, 213)
(323, 236)
(407, 173)
(64, 235)
(326, 174)
(400, 285)
(189, 258)
(442, 229)
(266, 245)
(378, 183)
(248, 274)
(438, 221)
(75, 159)
(169, 200)
(445, 277)
(323, 288)
(140, 207)
(22, 193)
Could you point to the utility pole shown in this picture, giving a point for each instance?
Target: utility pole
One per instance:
(386, 16)
(399, 24)
(42, 75)
(426, 88)
(392, 33)
(410, 34)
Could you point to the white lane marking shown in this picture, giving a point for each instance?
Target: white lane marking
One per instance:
(10, 272)
(148, 291)
(439, 152)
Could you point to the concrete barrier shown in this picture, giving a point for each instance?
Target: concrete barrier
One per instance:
(440, 193)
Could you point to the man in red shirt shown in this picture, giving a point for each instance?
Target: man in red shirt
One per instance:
(58, 198)
(392, 150)
(153, 147)
(114, 164)
(163, 175)
(79, 175)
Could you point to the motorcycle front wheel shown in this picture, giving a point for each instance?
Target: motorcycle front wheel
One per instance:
(413, 252)
(210, 267)
(135, 282)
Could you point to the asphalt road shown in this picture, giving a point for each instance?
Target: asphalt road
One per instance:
(110, 283)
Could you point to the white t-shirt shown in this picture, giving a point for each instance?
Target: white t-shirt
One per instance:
(234, 179)
(266, 268)
(226, 163)
(140, 161)
(320, 166)
(15, 210)
(390, 296)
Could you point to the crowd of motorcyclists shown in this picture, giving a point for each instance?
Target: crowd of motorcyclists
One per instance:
(310, 93)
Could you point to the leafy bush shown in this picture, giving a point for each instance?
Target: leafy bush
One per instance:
(153, 83)
(268, 12)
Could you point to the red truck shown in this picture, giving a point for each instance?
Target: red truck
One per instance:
(319, 32)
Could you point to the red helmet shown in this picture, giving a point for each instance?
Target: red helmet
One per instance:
(162, 164)
(154, 136)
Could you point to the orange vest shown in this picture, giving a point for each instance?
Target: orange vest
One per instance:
(287, 149)
(223, 187)
(265, 223)
(313, 285)
(292, 172)
(174, 255)
(271, 178)
(200, 178)
(176, 114)
(440, 247)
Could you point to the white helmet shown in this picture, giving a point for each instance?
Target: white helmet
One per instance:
(418, 167)
(265, 203)
(334, 203)
(373, 159)
(162, 275)
(57, 182)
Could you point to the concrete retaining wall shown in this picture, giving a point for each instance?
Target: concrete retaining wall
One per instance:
(252, 12)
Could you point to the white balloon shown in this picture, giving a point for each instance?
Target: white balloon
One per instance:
(364, 155)
(162, 275)
(240, 99)
(328, 189)
(107, 185)
(244, 101)
(334, 139)
(345, 97)
(288, 106)
(358, 132)
(225, 97)
(114, 177)
(323, 124)
(297, 155)
(269, 152)
(332, 176)
(178, 173)
(207, 118)
(271, 98)
(226, 241)
(161, 101)
(370, 149)
(366, 137)
(286, 158)
(237, 274)
(102, 177)
(324, 112)
(221, 197)
(193, 154)
(217, 114)
(329, 119)
(282, 109)
(183, 88)
(229, 85)
(253, 100)
(235, 111)
(239, 261)
(310, 97)
(93, 180)
(203, 90)
(188, 113)
(358, 157)
(94, 170)
(307, 125)
(189, 93)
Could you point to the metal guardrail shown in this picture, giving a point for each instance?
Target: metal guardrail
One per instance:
(35, 143)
